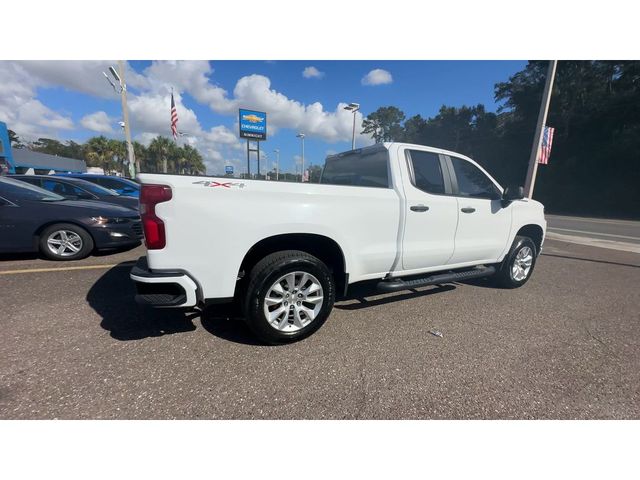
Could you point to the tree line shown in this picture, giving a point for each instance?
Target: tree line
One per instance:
(594, 168)
(162, 154)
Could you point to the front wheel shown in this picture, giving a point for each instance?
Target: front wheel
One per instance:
(517, 266)
(65, 241)
(289, 296)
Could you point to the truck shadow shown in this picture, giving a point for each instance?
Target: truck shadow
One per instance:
(112, 297)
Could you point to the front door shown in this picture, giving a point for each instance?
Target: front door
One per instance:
(483, 222)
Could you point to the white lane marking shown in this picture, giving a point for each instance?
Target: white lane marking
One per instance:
(594, 220)
(594, 233)
(65, 269)
(595, 242)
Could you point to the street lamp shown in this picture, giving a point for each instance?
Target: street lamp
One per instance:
(353, 107)
(301, 137)
(277, 152)
(121, 87)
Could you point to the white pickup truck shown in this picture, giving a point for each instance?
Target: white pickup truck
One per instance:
(407, 215)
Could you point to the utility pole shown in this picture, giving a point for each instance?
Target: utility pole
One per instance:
(134, 166)
(301, 137)
(277, 152)
(537, 139)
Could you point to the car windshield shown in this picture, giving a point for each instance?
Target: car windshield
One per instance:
(93, 188)
(16, 190)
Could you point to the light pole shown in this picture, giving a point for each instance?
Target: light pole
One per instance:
(301, 137)
(353, 107)
(121, 88)
(277, 152)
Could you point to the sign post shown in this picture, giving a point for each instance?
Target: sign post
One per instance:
(253, 126)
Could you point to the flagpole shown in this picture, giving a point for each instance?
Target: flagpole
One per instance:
(537, 139)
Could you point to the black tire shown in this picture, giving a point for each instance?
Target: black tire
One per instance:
(504, 277)
(84, 244)
(263, 276)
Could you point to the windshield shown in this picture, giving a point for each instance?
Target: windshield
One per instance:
(15, 190)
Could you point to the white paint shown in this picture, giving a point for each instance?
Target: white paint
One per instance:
(595, 242)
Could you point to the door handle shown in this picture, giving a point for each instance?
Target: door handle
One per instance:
(419, 208)
(468, 209)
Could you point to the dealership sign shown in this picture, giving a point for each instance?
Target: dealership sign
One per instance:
(253, 125)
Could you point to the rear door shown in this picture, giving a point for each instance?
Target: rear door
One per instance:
(431, 212)
(484, 223)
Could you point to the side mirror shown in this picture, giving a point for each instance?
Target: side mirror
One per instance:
(513, 193)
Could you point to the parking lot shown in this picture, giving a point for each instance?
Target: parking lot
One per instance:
(75, 345)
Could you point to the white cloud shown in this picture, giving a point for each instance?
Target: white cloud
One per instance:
(20, 108)
(149, 105)
(377, 76)
(80, 76)
(312, 72)
(97, 122)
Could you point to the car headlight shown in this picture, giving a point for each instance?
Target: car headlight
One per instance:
(109, 220)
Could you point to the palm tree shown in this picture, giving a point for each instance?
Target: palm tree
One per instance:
(142, 155)
(190, 160)
(98, 153)
(161, 151)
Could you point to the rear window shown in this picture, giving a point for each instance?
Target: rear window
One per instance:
(358, 168)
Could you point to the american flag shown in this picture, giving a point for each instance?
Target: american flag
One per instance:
(174, 119)
(545, 148)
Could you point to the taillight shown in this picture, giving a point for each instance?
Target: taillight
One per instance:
(150, 196)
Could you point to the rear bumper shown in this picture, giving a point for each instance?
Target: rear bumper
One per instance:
(164, 288)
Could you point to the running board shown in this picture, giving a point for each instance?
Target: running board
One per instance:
(396, 284)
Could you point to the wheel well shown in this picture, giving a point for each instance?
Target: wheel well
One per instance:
(321, 247)
(534, 232)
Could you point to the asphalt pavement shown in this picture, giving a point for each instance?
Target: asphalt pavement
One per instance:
(565, 346)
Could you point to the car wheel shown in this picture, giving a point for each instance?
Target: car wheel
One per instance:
(517, 266)
(65, 241)
(289, 296)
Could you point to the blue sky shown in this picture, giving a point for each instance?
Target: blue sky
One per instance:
(62, 98)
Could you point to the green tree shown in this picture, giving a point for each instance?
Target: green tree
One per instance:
(385, 124)
(188, 161)
(14, 140)
(163, 152)
(100, 152)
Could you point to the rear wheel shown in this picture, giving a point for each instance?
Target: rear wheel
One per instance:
(289, 296)
(517, 266)
(65, 241)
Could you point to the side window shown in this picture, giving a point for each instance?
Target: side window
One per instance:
(472, 182)
(427, 171)
(60, 188)
(358, 168)
(108, 183)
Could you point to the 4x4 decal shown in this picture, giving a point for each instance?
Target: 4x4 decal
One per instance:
(213, 183)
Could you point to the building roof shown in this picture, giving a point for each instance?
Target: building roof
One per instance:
(23, 157)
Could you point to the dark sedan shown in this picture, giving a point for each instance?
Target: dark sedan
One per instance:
(77, 189)
(33, 219)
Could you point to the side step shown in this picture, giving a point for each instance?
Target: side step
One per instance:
(396, 284)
